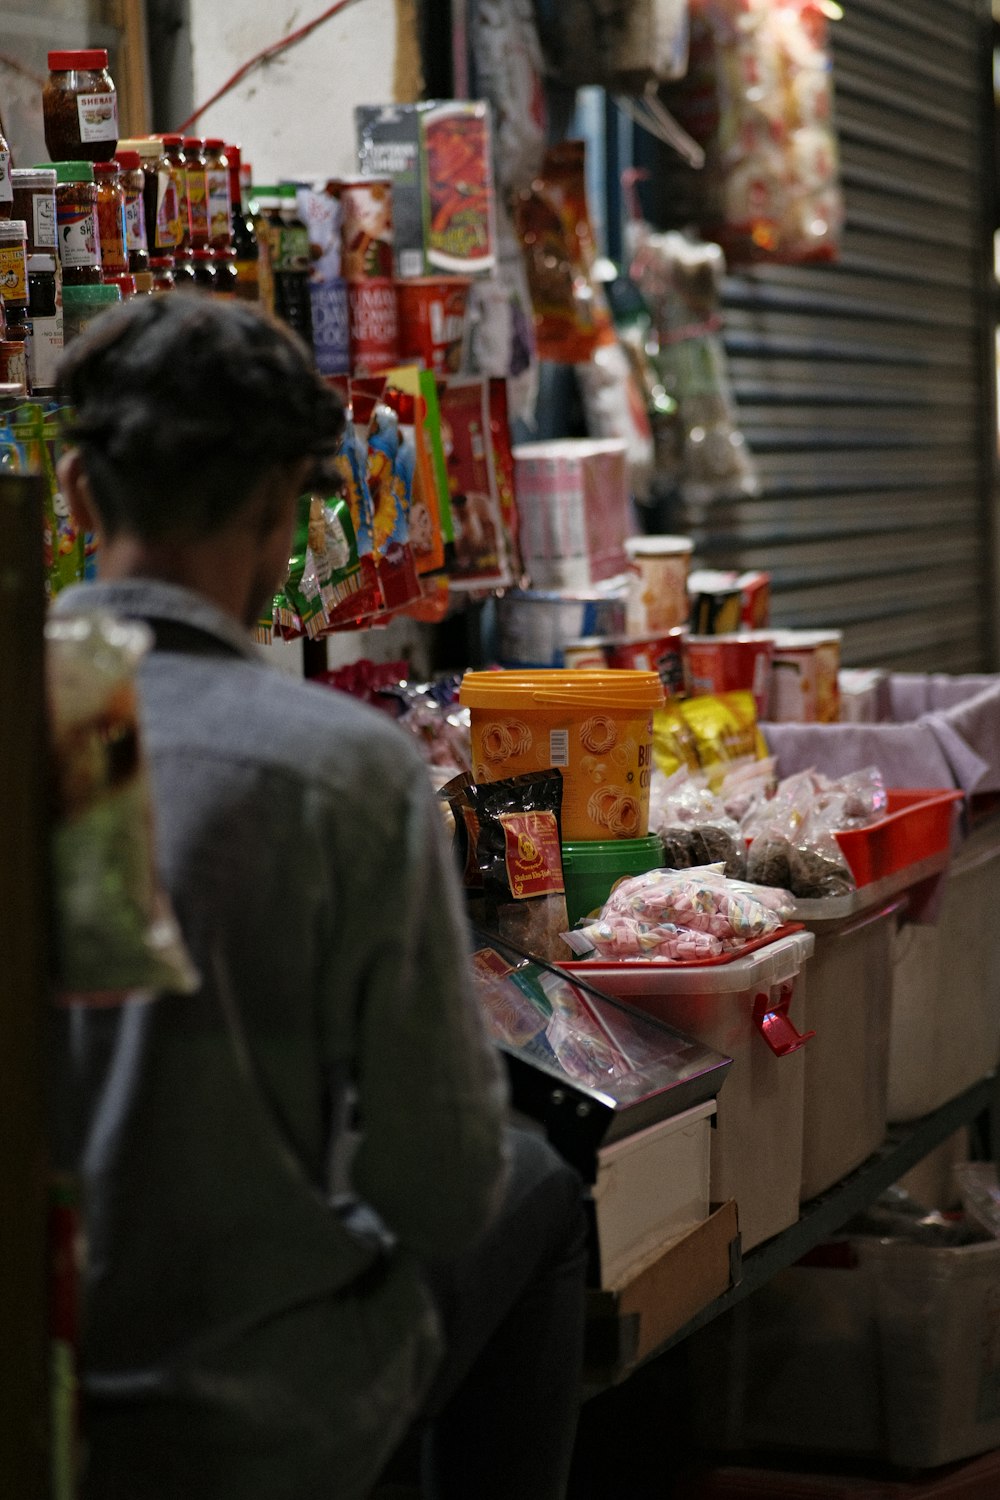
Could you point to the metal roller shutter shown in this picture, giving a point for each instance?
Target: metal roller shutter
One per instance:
(865, 389)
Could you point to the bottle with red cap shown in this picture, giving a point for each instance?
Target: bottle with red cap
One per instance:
(246, 248)
(133, 182)
(111, 220)
(173, 150)
(80, 106)
(197, 191)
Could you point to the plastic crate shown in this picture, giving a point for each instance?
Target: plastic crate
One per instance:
(917, 825)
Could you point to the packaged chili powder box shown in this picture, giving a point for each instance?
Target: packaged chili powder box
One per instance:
(439, 156)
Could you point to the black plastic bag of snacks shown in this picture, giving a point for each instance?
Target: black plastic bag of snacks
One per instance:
(114, 928)
(508, 839)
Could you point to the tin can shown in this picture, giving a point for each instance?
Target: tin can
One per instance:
(716, 603)
(804, 681)
(588, 654)
(365, 227)
(730, 663)
(432, 321)
(661, 652)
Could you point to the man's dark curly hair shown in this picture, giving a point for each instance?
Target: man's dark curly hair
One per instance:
(180, 406)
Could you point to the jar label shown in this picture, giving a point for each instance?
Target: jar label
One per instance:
(219, 207)
(43, 220)
(197, 189)
(78, 238)
(167, 217)
(13, 275)
(98, 116)
(44, 349)
(135, 223)
(6, 186)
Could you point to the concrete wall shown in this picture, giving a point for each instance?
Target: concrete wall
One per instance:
(294, 116)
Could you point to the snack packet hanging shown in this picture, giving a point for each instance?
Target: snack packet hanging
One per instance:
(114, 929)
(390, 464)
(37, 434)
(363, 597)
(553, 222)
(407, 390)
(481, 554)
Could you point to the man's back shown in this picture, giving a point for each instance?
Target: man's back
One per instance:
(228, 1304)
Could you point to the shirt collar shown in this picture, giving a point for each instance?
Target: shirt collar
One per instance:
(151, 599)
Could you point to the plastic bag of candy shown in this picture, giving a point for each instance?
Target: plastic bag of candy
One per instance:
(704, 900)
(114, 928)
(694, 825)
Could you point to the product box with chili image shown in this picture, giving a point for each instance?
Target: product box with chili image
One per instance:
(440, 158)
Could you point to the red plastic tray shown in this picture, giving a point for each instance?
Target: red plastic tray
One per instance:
(580, 966)
(917, 825)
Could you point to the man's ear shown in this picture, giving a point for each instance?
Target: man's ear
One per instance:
(75, 488)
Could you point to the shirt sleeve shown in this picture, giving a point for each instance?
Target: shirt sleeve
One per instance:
(431, 1158)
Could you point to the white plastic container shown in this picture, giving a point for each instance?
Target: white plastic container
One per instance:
(658, 568)
(573, 503)
(945, 1019)
(750, 1009)
(650, 1188)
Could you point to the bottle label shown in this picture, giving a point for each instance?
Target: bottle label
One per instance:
(78, 238)
(6, 187)
(44, 349)
(43, 219)
(197, 188)
(167, 217)
(135, 223)
(98, 116)
(13, 275)
(220, 210)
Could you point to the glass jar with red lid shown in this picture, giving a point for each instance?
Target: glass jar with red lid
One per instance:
(162, 268)
(220, 205)
(173, 150)
(111, 220)
(80, 106)
(227, 277)
(204, 269)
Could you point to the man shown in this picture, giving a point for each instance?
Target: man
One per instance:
(249, 1332)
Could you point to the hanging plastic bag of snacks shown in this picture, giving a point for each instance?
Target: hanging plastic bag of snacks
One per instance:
(114, 929)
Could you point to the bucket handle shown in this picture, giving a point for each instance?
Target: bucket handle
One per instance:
(555, 699)
(775, 1025)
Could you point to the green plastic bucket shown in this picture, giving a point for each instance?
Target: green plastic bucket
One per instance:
(591, 867)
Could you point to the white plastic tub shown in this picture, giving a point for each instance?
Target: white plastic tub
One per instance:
(650, 1188)
(751, 1009)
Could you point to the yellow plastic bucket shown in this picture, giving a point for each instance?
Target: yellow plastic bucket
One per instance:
(595, 727)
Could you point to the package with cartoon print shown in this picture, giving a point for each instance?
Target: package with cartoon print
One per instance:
(390, 460)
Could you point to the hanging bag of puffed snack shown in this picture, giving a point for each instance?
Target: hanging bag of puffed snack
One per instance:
(37, 435)
(758, 97)
(386, 419)
(115, 931)
(364, 596)
(510, 847)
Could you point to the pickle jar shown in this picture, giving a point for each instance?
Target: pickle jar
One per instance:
(133, 182)
(35, 203)
(159, 194)
(162, 269)
(76, 223)
(111, 220)
(220, 206)
(197, 190)
(227, 276)
(173, 150)
(80, 107)
(6, 185)
(14, 269)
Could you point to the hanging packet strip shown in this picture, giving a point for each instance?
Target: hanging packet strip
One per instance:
(390, 461)
(405, 392)
(482, 554)
(37, 433)
(350, 463)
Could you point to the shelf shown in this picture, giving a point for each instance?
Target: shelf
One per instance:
(904, 1147)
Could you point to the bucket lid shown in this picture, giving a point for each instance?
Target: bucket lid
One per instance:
(658, 546)
(562, 686)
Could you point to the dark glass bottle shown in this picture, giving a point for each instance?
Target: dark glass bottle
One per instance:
(292, 298)
(244, 238)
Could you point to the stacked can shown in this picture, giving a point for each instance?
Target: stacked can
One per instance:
(367, 265)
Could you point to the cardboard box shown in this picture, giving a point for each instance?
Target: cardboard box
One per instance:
(627, 1324)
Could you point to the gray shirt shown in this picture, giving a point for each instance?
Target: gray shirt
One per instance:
(244, 1336)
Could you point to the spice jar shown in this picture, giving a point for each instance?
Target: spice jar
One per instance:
(80, 107)
(220, 205)
(76, 223)
(34, 191)
(14, 268)
(6, 187)
(197, 191)
(133, 182)
(14, 364)
(111, 219)
(162, 270)
(173, 150)
(227, 278)
(204, 269)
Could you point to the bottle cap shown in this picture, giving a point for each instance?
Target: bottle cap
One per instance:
(74, 171)
(107, 168)
(90, 60)
(128, 160)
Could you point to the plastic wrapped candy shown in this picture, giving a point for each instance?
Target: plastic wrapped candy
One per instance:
(694, 825)
(115, 931)
(703, 900)
(617, 936)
